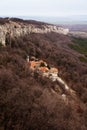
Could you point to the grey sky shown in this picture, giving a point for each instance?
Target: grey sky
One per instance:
(43, 7)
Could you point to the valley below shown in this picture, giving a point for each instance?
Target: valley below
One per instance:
(77, 30)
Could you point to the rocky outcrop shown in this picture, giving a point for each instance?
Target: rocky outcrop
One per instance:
(16, 29)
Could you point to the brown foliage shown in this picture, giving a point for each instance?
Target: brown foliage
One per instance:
(26, 101)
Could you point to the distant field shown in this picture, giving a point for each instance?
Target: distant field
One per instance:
(76, 27)
(80, 45)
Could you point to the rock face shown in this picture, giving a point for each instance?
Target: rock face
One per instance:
(16, 29)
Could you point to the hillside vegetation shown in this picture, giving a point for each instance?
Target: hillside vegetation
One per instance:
(80, 45)
(32, 102)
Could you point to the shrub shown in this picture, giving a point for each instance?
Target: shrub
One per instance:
(83, 59)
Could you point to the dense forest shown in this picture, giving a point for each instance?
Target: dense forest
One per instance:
(27, 101)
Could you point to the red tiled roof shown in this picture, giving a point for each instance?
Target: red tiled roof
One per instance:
(36, 64)
(44, 69)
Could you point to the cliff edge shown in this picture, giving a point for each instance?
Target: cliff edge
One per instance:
(16, 28)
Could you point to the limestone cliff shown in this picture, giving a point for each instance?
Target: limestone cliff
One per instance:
(16, 29)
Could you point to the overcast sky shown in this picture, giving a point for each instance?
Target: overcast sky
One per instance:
(43, 7)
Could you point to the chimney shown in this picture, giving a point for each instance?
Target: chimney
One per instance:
(28, 59)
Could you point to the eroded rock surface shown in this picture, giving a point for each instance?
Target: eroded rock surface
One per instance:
(16, 29)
